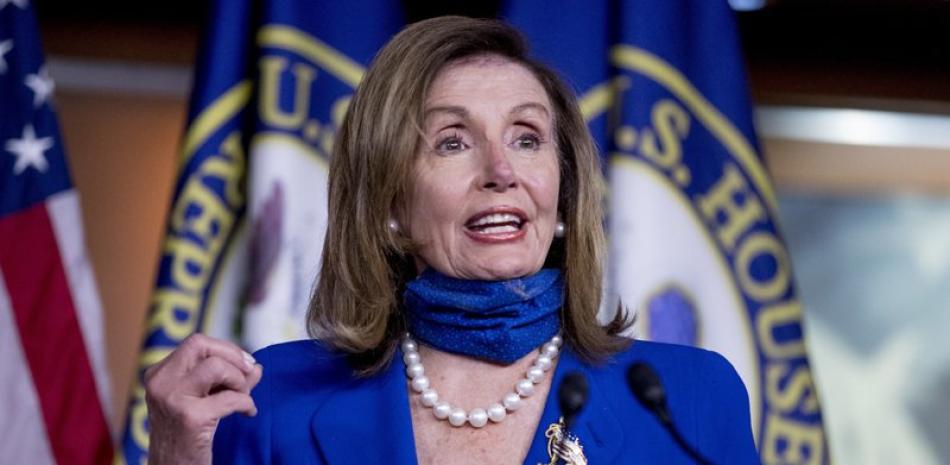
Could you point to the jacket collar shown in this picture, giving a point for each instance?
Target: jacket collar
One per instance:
(368, 420)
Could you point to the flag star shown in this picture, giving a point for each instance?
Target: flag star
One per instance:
(19, 3)
(5, 46)
(41, 84)
(29, 151)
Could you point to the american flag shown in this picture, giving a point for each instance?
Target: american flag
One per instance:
(53, 384)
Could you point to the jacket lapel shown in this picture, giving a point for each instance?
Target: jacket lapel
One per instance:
(599, 430)
(367, 421)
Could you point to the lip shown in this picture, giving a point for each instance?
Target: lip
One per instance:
(496, 238)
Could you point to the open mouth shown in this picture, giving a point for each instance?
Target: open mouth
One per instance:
(497, 223)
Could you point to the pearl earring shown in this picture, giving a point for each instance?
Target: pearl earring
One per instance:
(559, 229)
(393, 225)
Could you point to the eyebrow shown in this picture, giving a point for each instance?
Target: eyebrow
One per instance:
(455, 110)
(463, 113)
(531, 106)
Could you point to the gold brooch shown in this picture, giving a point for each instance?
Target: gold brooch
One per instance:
(563, 446)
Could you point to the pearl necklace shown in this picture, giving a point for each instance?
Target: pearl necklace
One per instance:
(477, 417)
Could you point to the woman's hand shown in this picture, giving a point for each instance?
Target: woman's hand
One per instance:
(202, 381)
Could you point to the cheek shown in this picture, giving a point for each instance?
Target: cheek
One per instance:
(433, 205)
(546, 187)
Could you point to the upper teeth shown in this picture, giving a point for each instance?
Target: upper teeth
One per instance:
(495, 218)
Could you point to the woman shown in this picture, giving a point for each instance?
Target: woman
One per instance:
(465, 202)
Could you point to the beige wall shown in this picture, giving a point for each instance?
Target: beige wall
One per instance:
(852, 169)
(122, 151)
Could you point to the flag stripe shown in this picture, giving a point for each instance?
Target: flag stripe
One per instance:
(22, 433)
(65, 215)
(51, 338)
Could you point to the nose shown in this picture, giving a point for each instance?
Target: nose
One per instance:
(499, 174)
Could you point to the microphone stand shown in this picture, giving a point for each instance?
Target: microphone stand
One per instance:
(681, 441)
(646, 386)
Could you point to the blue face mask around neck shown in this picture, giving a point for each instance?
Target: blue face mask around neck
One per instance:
(498, 321)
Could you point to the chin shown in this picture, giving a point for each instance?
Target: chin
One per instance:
(500, 270)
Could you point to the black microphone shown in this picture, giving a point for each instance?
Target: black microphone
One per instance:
(572, 396)
(646, 386)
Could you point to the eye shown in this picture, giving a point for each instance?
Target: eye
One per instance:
(451, 144)
(527, 141)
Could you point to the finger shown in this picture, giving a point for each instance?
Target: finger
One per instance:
(198, 346)
(254, 376)
(225, 403)
(215, 374)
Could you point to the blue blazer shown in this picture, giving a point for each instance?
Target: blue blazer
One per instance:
(312, 410)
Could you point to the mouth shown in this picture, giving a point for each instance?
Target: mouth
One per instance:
(497, 224)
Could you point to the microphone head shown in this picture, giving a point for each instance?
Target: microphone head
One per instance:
(572, 395)
(646, 386)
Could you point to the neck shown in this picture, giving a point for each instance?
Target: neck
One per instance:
(476, 383)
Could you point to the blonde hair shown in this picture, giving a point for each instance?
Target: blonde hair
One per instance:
(356, 307)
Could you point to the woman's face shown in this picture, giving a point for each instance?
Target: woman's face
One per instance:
(484, 194)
